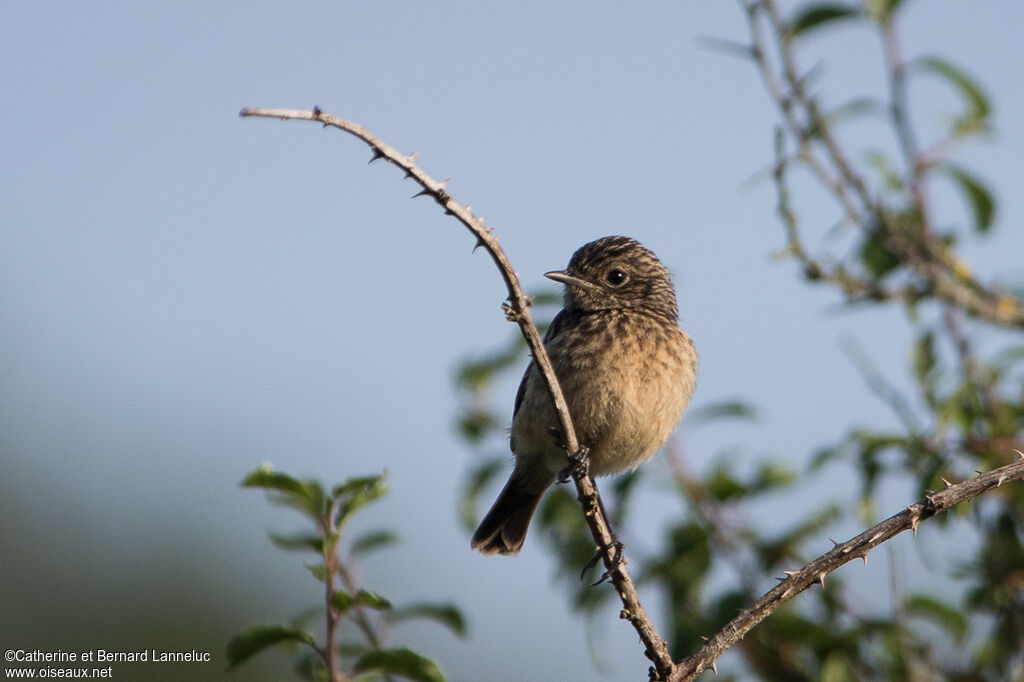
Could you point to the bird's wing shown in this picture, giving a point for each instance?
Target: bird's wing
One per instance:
(553, 330)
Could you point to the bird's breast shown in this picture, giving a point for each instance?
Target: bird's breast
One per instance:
(626, 378)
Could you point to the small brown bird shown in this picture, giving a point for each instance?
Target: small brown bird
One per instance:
(627, 371)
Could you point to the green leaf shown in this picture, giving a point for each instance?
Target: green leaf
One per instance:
(265, 477)
(890, 176)
(951, 619)
(480, 476)
(815, 16)
(376, 539)
(734, 409)
(447, 615)
(400, 662)
(882, 10)
(310, 666)
(476, 374)
(685, 560)
(728, 47)
(924, 357)
(356, 493)
(771, 476)
(975, 119)
(875, 256)
(250, 642)
(861, 106)
(624, 487)
(344, 602)
(351, 648)
(476, 423)
(302, 541)
(980, 199)
(306, 496)
(357, 485)
(722, 485)
(319, 571)
(925, 366)
(1008, 357)
(823, 456)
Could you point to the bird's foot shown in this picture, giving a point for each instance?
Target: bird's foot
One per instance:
(579, 463)
(618, 559)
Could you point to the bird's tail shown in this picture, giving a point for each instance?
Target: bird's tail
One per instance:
(504, 528)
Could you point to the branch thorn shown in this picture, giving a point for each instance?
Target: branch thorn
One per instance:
(915, 518)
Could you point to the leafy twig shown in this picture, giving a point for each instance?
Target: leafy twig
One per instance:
(329, 510)
(904, 232)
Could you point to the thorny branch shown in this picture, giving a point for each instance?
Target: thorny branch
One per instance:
(813, 573)
(517, 310)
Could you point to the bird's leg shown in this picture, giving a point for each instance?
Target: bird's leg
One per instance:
(579, 463)
(618, 558)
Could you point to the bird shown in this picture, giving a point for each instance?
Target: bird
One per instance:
(627, 371)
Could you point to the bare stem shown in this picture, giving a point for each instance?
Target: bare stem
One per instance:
(517, 310)
(330, 653)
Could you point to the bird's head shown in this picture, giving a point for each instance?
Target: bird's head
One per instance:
(617, 272)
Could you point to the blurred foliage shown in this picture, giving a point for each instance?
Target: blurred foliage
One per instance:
(365, 658)
(963, 412)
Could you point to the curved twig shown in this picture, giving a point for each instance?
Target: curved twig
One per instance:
(516, 310)
(813, 573)
(795, 582)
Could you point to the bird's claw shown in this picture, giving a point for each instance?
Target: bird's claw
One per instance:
(618, 559)
(579, 463)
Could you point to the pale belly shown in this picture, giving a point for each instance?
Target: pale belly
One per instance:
(623, 412)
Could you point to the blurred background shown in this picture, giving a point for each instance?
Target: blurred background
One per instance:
(185, 294)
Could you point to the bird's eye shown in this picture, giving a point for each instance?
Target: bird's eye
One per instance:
(615, 277)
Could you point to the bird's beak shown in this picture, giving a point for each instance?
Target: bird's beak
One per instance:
(565, 278)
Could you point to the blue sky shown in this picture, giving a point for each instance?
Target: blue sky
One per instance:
(185, 294)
